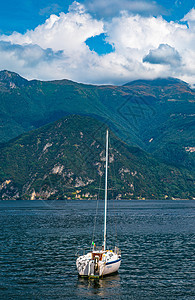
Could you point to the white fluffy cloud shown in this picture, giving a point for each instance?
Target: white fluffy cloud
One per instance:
(110, 8)
(190, 17)
(165, 55)
(66, 32)
(57, 49)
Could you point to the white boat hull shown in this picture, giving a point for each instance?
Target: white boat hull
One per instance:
(108, 264)
(112, 268)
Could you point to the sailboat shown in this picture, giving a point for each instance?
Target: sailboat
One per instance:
(98, 263)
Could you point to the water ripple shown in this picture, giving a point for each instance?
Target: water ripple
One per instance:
(38, 242)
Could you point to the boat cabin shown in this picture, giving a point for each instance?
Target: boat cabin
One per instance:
(97, 253)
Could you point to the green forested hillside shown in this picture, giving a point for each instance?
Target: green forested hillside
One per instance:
(156, 115)
(65, 160)
(152, 119)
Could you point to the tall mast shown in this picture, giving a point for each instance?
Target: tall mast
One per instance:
(106, 184)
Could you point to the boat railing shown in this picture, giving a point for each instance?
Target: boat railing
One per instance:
(97, 248)
(82, 251)
(85, 250)
(117, 251)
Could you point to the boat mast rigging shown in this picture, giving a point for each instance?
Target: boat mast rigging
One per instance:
(106, 187)
(102, 262)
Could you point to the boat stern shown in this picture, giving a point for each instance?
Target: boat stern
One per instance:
(98, 263)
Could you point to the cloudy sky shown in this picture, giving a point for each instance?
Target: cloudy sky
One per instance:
(98, 41)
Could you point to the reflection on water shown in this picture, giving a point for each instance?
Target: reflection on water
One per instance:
(103, 287)
(38, 242)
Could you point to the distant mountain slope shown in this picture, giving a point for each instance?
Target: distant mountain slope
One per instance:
(155, 115)
(65, 160)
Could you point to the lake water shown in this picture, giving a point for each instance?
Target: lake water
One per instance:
(39, 239)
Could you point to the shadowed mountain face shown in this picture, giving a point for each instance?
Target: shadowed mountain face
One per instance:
(66, 160)
(156, 116)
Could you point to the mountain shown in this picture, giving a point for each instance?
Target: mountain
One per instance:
(151, 120)
(155, 115)
(65, 160)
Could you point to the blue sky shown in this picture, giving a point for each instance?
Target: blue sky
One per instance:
(27, 14)
(107, 43)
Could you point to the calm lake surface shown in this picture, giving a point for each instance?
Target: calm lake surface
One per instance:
(39, 239)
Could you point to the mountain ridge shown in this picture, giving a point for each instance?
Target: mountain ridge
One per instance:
(163, 80)
(160, 121)
(65, 160)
